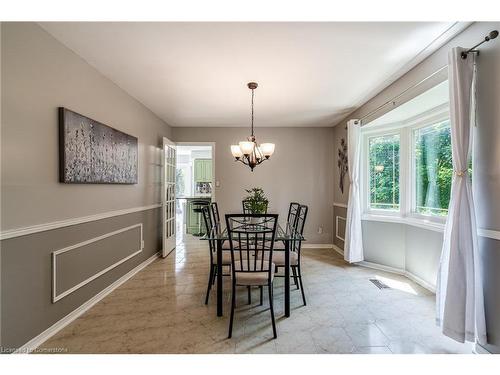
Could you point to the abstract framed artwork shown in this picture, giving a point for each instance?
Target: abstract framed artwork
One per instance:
(94, 153)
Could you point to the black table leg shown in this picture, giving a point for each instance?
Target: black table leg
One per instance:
(219, 278)
(287, 278)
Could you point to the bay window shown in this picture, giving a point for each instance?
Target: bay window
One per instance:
(407, 169)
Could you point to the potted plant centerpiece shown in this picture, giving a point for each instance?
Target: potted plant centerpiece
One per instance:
(256, 202)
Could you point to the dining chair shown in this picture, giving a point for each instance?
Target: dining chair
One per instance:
(214, 209)
(251, 237)
(215, 213)
(293, 211)
(212, 246)
(291, 221)
(295, 247)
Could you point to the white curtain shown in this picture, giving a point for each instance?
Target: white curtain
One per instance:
(459, 295)
(353, 246)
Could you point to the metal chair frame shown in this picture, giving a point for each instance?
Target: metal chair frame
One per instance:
(251, 236)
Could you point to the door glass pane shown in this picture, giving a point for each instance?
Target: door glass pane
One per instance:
(384, 172)
(433, 169)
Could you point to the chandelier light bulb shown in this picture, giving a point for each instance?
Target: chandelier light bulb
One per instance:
(267, 149)
(246, 147)
(236, 151)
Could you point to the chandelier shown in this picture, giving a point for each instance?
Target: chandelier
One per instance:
(249, 152)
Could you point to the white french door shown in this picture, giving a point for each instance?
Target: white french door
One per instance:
(168, 196)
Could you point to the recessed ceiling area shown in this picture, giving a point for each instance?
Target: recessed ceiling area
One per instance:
(309, 74)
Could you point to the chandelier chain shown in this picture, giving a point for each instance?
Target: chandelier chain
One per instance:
(252, 111)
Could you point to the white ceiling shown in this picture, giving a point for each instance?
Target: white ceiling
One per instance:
(309, 74)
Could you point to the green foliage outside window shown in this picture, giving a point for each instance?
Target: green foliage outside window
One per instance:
(180, 186)
(384, 172)
(434, 169)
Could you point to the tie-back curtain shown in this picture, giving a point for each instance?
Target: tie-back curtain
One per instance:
(353, 245)
(459, 294)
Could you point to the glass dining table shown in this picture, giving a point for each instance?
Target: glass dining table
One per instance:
(284, 234)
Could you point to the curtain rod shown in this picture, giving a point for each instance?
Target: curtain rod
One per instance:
(492, 35)
(393, 100)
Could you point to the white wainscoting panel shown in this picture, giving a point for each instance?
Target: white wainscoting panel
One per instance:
(337, 227)
(79, 311)
(57, 296)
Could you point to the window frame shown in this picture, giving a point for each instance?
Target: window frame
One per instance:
(367, 179)
(407, 170)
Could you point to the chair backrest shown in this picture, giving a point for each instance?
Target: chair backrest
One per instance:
(299, 227)
(251, 239)
(215, 213)
(207, 219)
(247, 209)
(293, 213)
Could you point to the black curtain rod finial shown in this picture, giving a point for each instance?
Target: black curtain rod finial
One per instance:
(491, 35)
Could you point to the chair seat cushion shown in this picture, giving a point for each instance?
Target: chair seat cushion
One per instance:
(279, 258)
(253, 276)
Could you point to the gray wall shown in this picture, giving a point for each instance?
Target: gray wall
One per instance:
(383, 243)
(300, 170)
(39, 74)
(486, 177)
(422, 253)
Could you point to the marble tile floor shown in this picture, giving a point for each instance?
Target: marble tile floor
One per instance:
(162, 310)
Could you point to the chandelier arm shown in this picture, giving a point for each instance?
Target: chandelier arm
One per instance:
(241, 161)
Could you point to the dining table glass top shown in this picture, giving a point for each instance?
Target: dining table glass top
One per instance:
(283, 233)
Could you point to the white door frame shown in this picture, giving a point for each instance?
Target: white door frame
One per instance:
(168, 206)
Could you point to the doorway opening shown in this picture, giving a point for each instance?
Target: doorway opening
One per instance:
(195, 187)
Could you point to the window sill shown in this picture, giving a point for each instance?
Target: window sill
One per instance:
(420, 223)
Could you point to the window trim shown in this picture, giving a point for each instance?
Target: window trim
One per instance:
(407, 172)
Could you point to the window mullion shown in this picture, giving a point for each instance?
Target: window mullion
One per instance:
(404, 172)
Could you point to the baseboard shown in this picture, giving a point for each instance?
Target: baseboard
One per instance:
(317, 246)
(421, 282)
(478, 349)
(381, 267)
(399, 271)
(51, 331)
(338, 250)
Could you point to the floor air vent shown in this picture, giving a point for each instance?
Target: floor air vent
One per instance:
(379, 284)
